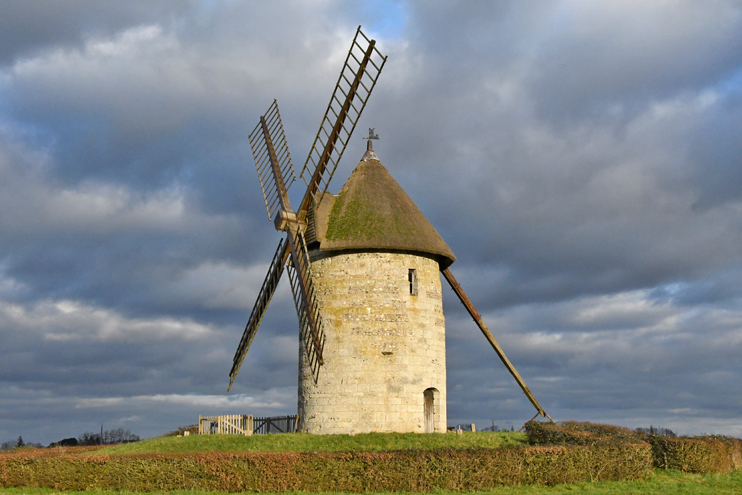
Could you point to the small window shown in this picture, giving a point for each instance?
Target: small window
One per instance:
(412, 277)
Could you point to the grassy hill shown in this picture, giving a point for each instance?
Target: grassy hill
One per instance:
(302, 442)
(575, 457)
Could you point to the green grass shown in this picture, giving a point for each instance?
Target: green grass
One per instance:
(662, 482)
(301, 442)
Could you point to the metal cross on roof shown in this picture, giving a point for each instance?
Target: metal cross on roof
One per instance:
(372, 134)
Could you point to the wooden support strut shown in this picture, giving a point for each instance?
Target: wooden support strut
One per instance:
(526, 423)
(491, 339)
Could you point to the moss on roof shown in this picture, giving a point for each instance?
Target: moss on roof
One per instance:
(372, 211)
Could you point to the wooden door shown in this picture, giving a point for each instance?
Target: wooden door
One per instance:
(429, 411)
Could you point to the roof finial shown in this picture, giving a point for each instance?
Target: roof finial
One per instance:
(370, 155)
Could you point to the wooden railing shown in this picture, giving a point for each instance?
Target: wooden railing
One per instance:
(279, 424)
(240, 424)
(237, 424)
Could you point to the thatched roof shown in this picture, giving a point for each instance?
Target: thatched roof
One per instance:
(373, 212)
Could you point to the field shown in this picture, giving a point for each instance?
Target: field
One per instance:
(302, 442)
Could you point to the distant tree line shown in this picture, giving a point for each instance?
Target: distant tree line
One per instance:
(494, 427)
(662, 432)
(109, 437)
(12, 444)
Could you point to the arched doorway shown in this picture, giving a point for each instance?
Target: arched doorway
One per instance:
(429, 397)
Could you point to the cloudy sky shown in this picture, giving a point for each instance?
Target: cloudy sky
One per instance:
(582, 159)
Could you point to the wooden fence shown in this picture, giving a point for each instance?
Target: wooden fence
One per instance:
(240, 424)
(278, 424)
(237, 424)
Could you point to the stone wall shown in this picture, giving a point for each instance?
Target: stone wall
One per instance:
(384, 346)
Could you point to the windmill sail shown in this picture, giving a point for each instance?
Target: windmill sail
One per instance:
(268, 142)
(276, 173)
(272, 162)
(261, 304)
(311, 332)
(357, 79)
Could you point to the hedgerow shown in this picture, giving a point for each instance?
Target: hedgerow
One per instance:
(559, 453)
(347, 472)
(573, 433)
(702, 455)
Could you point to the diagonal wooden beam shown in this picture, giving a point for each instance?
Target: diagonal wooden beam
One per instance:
(491, 339)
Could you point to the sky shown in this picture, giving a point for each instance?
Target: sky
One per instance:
(582, 159)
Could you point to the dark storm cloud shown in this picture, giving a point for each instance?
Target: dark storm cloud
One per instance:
(608, 61)
(580, 159)
(94, 365)
(93, 240)
(163, 100)
(715, 149)
(620, 354)
(157, 113)
(28, 27)
(615, 201)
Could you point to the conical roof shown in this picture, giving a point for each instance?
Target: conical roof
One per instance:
(372, 212)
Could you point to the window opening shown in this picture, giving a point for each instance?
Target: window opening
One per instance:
(412, 277)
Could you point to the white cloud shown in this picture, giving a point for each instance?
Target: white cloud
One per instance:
(141, 78)
(272, 399)
(221, 285)
(75, 321)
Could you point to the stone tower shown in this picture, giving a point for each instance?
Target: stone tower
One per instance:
(375, 262)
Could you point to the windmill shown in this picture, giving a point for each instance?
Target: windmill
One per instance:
(383, 368)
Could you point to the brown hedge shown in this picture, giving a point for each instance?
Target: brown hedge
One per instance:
(703, 455)
(420, 471)
(574, 433)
